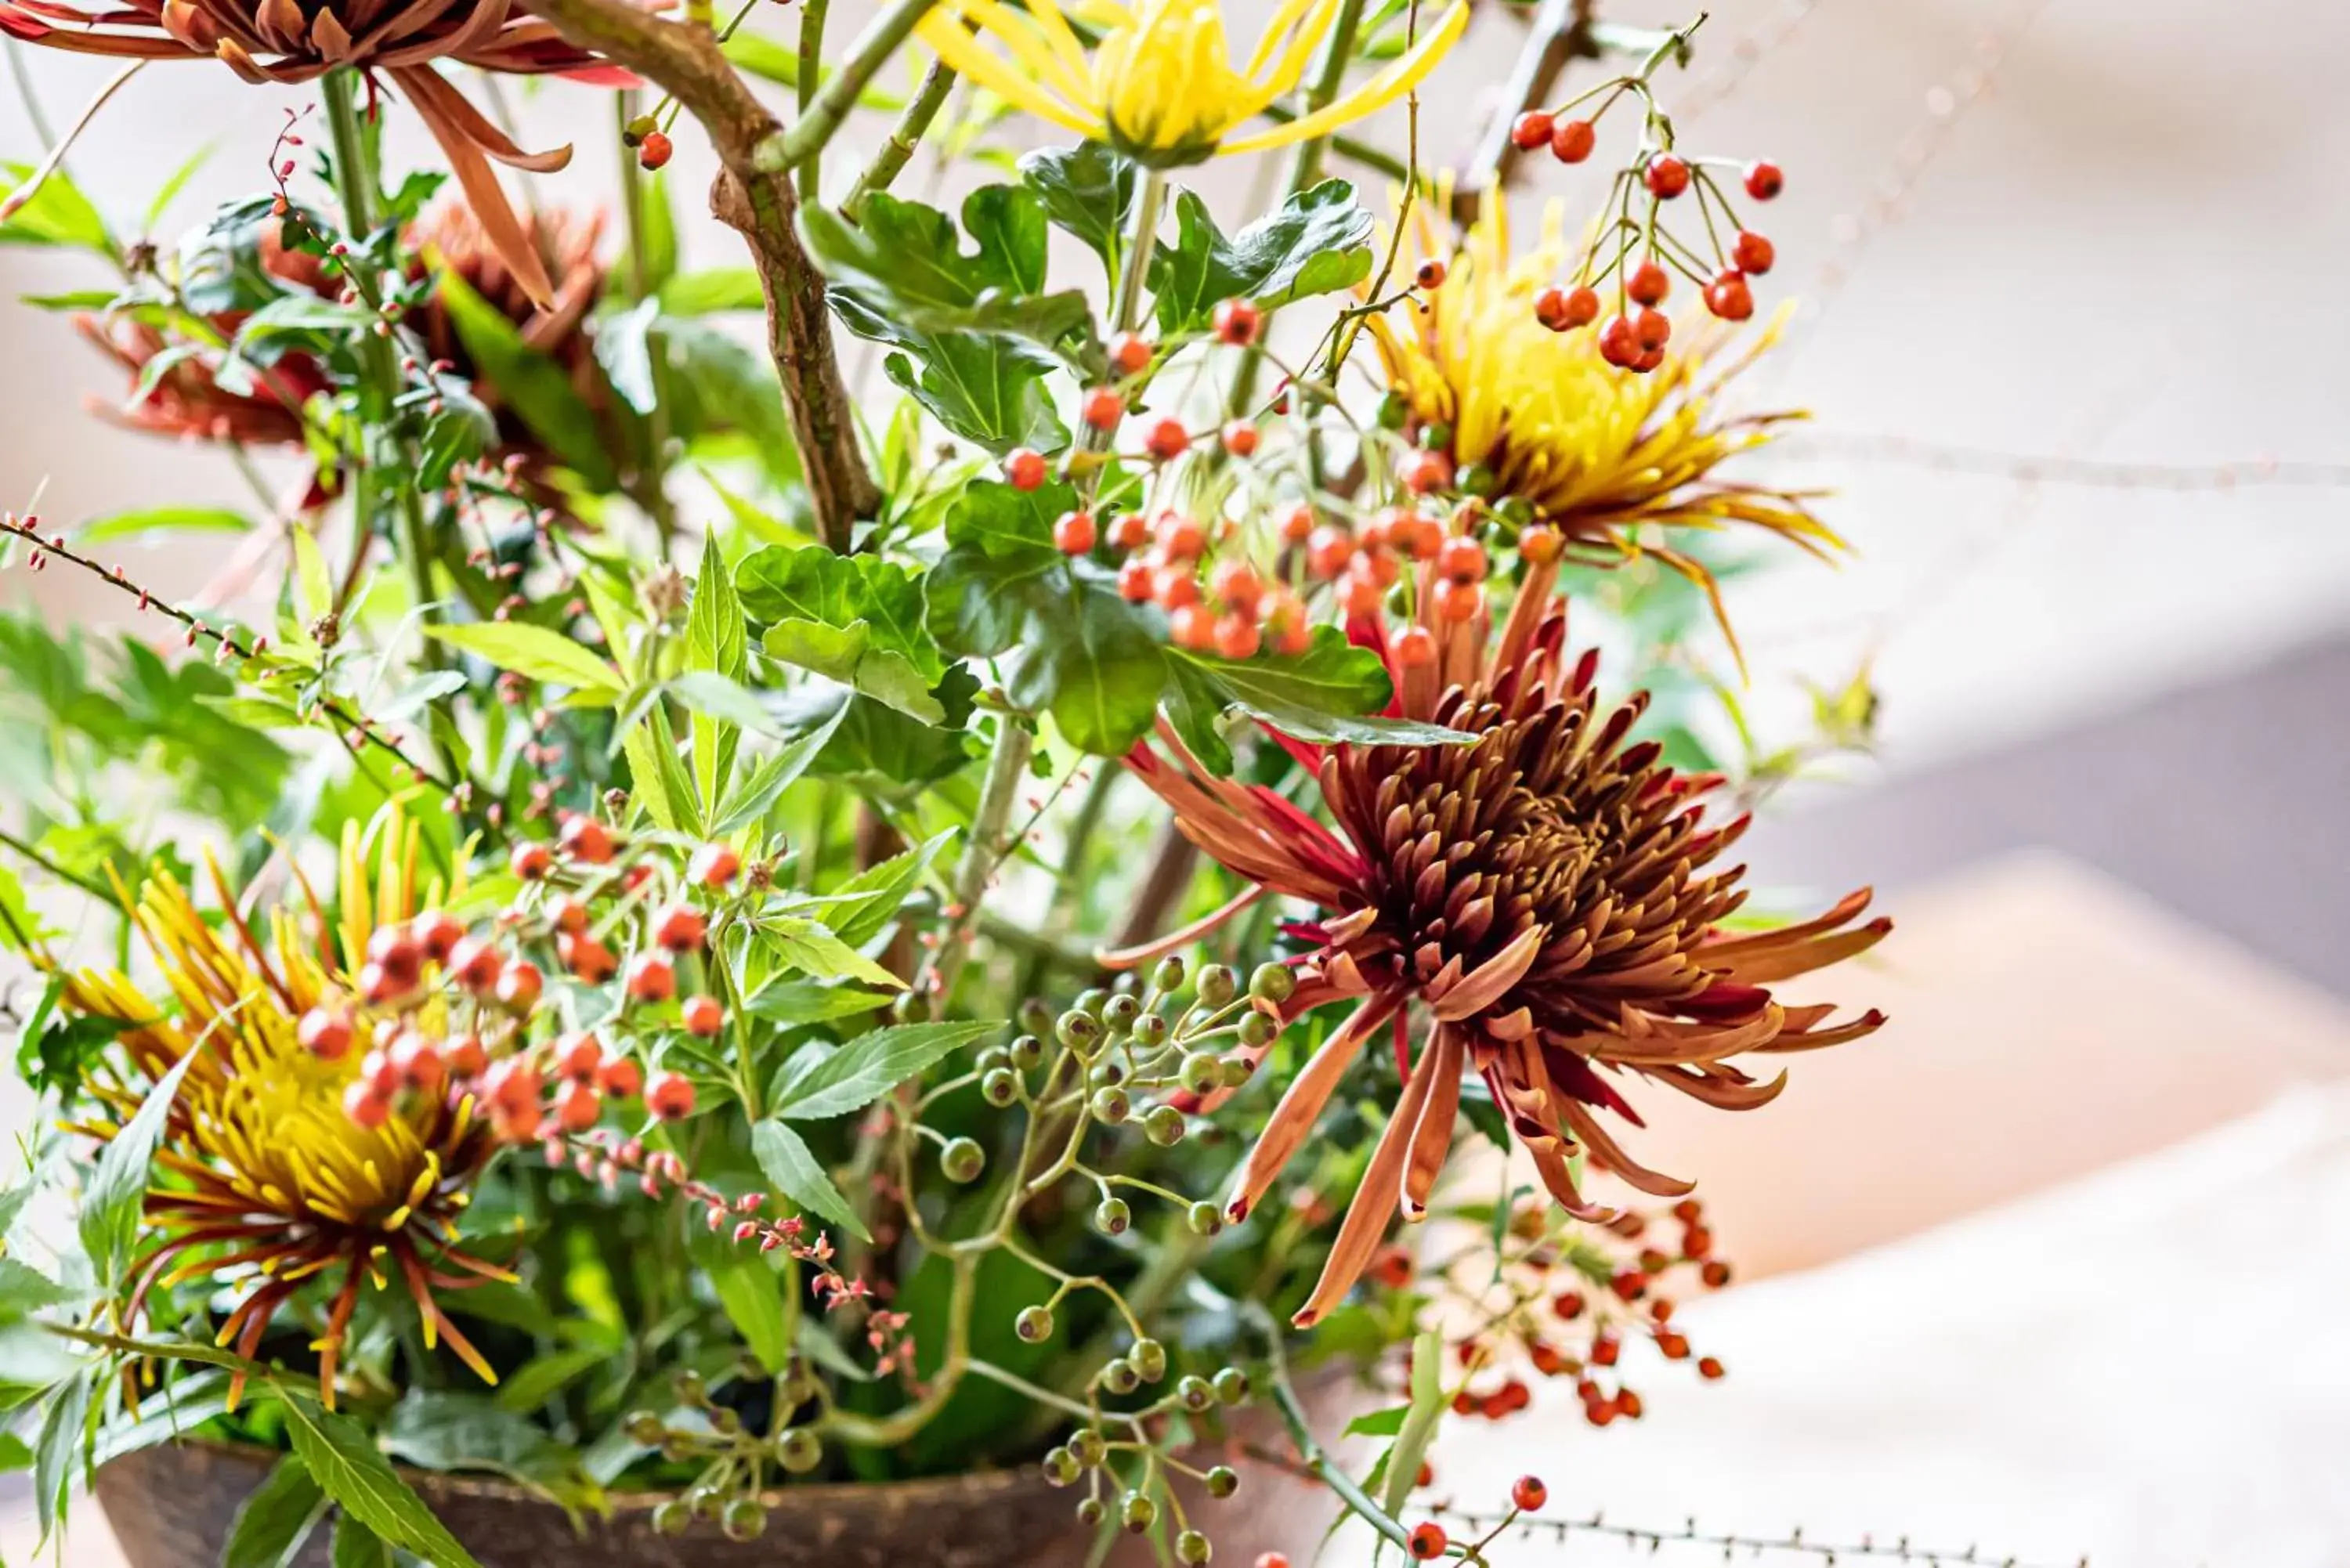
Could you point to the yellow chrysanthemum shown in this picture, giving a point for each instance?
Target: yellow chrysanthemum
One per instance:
(1160, 86)
(262, 1175)
(1596, 451)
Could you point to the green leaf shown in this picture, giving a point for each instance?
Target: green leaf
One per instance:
(906, 261)
(770, 778)
(533, 651)
(353, 1471)
(538, 390)
(715, 383)
(58, 214)
(169, 192)
(24, 1290)
(220, 265)
(315, 584)
(651, 777)
(712, 695)
(164, 520)
(806, 1002)
(115, 1197)
(715, 635)
(357, 1546)
(792, 1168)
(870, 1065)
(15, 1453)
(750, 1293)
(439, 1429)
(857, 620)
(64, 1428)
(1089, 190)
(860, 907)
(1317, 242)
(537, 1381)
(990, 391)
(810, 948)
(1383, 1423)
(1418, 1429)
(777, 62)
(275, 1518)
(715, 289)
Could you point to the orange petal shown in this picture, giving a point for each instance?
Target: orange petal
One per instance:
(1301, 1106)
(1375, 1200)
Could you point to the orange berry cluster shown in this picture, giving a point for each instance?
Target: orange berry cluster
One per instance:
(583, 894)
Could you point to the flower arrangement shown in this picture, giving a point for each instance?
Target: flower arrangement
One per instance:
(665, 927)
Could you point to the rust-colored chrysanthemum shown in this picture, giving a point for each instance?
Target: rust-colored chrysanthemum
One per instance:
(300, 40)
(1548, 898)
(264, 1178)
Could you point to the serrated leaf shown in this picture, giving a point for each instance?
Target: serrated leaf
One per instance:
(537, 1381)
(710, 694)
(1383, 1423)
(716, 633)
(64, 1428)
(445, 1430)
(533, 651)
(418, 695)
(24, 1290)
(350, 1470)
(650, 777)
(990, 391)
(771, 777)
(806, 1002)
(539, 390)
(275, 1518)
(113, 1202)
(870, 1065)
(809, 947)
(1317, 242)
(163, 520)
(858, 907)
(791, 1166)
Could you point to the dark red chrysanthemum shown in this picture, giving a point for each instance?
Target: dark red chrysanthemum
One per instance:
(1547, 896)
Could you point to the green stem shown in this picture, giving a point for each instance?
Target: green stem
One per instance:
(813, 14)
(356, 178)
(90, 886)
(648, 490)
(1140, 242)
(1006, 766)
(820, 118)
(1309, 1448)
(938, 83)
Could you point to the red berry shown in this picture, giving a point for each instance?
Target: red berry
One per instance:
(1327, 550)
(580, 1057)
(1193, 627)
(1271, 1560)
(1073, 533)
(1530, 130)
(1428, 1541)
(1239, 439)
(1430, 275)
(475, 964)
(1129, 531)
(464, 1057)
(512, 1086)
(437, 934)
(379, 1073)
(1463, 560)
(1729, 297)
(1130, 352)
(1648, 284)
(1752, 252)
(621, 1077)
(519, 985)
(1415, 648)
(365, 1107)
(1569, 1304)
(1181, 537)
(702, 1016)
(1541, 546)
(654, 151)
(1573, 140)
(1024, 469)
(587, 957)
(1457, 601)
(1174, 587)
(713, 866)
(1551, 308)
(1168, 440)
(1667, 176)
(670, 1096)
(679, 928)
(652, 978)
(1652, 328)
(1363, 593)
(1236, 584)
(1582, 306)
(577, 1106)
(1709, 1367)
(417, 1061)
(1423, 472)
(1672, 1346)
(1135, 580)
(568, 916)
(1763, 181)
(1237, 321)
(1104, 408)
(1648, 360)
(1237, 635)
(585, 838)
(325, 1034)
(1618, 344)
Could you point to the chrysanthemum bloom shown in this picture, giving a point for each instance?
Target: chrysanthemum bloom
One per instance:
(284, 41)
(1600, 454)
(262, 1175)
(1540, 906)
(1160, 86)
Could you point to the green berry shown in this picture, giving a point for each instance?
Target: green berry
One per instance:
(1034, 1016)
(708, 1501)
(1090, 1447)
(1034, 1325)
(1393, 411)
(745, 1520)
(1090, 1002)
(962, 1159)
(1231, 1385)
(989, 1060)
(1238, 1070)
(1205, 1219)
(674, 1516)
(1168, 974)
(1195, 1391)
(1000, 1087)
(677, 1448)
(724, 1422)
(1080, 1032)
(1272, 983)
(1164, 1126)
(1107, 1073)
(1150, 1030)
(1112, 1105)
(1112, 1217)
(1027, 1052)
(1223, 1481)
(911, 1007)
(1202, 1070)
(1060, 1467)
(1091, 1511)
(1515, 509)
(645, 1428)
(1436, 437)
(800, 1450)
(1217, 984)
(690, 1389)
(1257, 1029)
(1138, 1512)
(1120, 1011)
(1150, 1358)
(1476, 478)
(1192, 1549)
(1120, 1378)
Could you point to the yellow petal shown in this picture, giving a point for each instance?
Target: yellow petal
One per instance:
(1372, 96)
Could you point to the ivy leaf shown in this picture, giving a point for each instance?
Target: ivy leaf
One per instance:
(115, 1197)
(989, 391)
(1087, 656)
(539, 390)
(275, 1518)
(857, 620)
(534, 651)
(788, 1163)
(1089, 190)
(352, 1470)
(870, 1065)
(1318, 242)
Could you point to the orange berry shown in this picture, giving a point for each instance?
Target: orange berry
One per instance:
(464, 1057)
(475, 963)
(325, 1033)
(1667, 176)
(713, 866)
(568, 916)
(1239, 439)
(670, 1096)
(1235, 582)
(1181, 537)
(1708, 1368)
(1752, 252)
(1415, 648)
(1530, 130)
(1192, 626)
(1297, 524)
(1423, 472)
(621, 1077)
(1130, 352)
(1237, 322)
(519, 986)
(1652, 328)
(1134, 581)
(652, 978)
(1430, 275)
(365, 1107)
(1541, 545)
(1129, 531)
(1573, 140)
(1463, 560)
(1024, 469)
(1175, 587)
(1763, 181)
(702, 1016)
(1168, 440)
(1363, 593)
(417, 1061)
(587, 957)
(585, 839)
(437, 934)
(1104, 409)
(1328, 550)
(679, 928)
(1648, 284)
(1237, 635)
(1428, 1541)
(1528, 1494)
(1073, 533)
(1456, 601)
(578, 1106)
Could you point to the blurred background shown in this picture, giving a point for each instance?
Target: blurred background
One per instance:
(2032, 1262)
